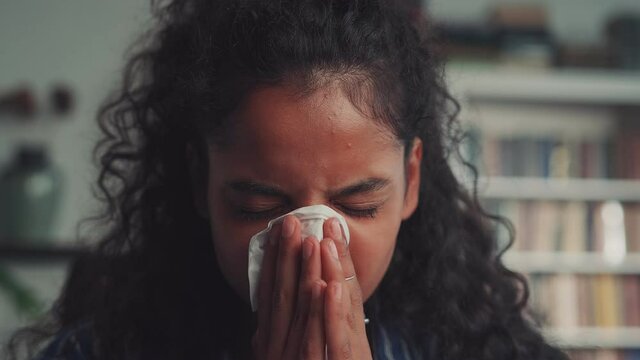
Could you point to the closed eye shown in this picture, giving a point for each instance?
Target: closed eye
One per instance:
(361, 212)
(254, 215)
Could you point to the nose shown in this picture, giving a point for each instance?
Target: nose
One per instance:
(310, 200)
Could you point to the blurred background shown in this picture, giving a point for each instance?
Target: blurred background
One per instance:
(550, 96)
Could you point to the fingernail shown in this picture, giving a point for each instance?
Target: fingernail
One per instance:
(337, 290)
(307, 249)
(287, 227)
(335, 228)
(332, 249)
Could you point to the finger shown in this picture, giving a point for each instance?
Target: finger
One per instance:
(334, 230)
(331, 266)
(339, 346)
(332, 273)
(313, 343)
(265, 289)
(285, 286)
(309, 276)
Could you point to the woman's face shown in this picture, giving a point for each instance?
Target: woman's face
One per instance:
(288, 152)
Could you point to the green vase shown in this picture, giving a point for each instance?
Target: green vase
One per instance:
(30, 195)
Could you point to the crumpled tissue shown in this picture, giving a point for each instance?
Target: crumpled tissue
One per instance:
(311, 218)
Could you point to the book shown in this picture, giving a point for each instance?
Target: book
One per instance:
(601, 300)
(631, 296)
(559, 157)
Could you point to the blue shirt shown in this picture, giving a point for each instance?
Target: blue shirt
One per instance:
(71, 344)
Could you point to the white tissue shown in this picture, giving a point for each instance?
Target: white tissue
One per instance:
(311, 219)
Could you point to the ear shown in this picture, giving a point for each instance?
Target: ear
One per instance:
(412, 171)
(198, 171)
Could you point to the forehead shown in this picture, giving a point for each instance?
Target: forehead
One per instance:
(277, 134)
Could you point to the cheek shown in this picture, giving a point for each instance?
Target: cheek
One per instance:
(231, 242)
(231, 254)
(371, 248)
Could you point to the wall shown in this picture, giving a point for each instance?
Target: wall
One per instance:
(81, 43)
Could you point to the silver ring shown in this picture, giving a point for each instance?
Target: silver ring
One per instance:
(350, 278)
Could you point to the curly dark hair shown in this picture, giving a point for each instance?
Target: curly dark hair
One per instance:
(153, 280)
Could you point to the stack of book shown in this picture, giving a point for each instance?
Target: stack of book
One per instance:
(547, 157)
(568, 226)
(569, 300)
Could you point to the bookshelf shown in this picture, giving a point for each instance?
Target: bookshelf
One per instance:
(558, 189)
(601, 87)
(571, 263)
(561, 244)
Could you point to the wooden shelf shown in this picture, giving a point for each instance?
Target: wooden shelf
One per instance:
(595, 87)
(594, 337)
(566, 262)
(558, 189)
(41, 252)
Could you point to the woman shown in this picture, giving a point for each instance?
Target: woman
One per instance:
(236, 112)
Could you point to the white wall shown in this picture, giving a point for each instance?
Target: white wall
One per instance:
(81, 43)
(77, 42)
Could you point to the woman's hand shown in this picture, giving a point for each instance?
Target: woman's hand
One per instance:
(290, 297)
(343, 307)
(296, 309)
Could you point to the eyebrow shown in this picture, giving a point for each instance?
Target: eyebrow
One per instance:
(366, 186)
(254, 188)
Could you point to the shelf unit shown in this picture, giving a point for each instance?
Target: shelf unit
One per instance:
(590, 89)
(32, 253)
(527, 188)
(600, 87)
(594, 337)
(573, 263)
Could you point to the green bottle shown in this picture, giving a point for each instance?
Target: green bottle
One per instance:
(30, 195)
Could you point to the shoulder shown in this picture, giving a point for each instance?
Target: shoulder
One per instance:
(69, 344)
